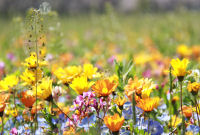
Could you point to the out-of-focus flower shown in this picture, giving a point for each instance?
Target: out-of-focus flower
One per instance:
(175, 99)
(81, 84)
(31, 62)
(8, 82)
(142, 87)
(65, 109)
(179, 67)
(29, 76)
(183, 50)
(14, 131)
(113, 78)
(4, 97)
(196, 51)
(27, 98)
(147, 74)
(175, 121)
(11, 56)
(67, 74)
(193, 87)
(57, 91)
(66, 58)
(44, 88)
(40, 106)
(104, 87)
(194, 129)
(114, 123)
(142, 58)
(148, 104)
(11, 111)
(69, 131)
(187, 111)
(90, 71)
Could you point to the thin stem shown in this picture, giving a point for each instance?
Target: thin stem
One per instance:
(183, 118)
(133, 108)
(196, 105)
(36, 77)
(64, 113)
(2, 120)
(148, 121)
(170, 90)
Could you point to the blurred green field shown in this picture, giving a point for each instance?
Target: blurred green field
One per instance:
(81, 34)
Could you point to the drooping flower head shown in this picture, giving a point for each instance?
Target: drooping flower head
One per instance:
(179, 67)
(141, 87)
(148, 104)
(104, 87)
(44, 89)
(81, 84)
(193, 87)
(114, 123)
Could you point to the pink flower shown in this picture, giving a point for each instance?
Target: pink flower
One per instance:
(13, 131)
(57, 91)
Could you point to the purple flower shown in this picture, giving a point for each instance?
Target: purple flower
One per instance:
(14, 131)
(147, 73)
(11, 56)
(111, 59)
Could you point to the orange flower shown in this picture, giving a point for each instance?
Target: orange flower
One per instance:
(114, 123)
(27, 98)
(104, 87)
(187, 111)
(4, 97)
(175, 98)
(40, 106)
(142, 87)
(148, 104)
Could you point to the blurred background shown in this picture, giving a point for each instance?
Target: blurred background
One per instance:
(84, 6)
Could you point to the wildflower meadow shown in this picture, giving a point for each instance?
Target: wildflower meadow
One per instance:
(100, 73)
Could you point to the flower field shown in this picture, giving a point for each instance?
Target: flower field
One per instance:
(108, 73)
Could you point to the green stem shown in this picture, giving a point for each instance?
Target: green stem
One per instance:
(170, 90)
(183, 118)
(133, 107)
(2, 120)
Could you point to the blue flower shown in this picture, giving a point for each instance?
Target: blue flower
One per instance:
(193, 128)
(164, 117)
(87, 122)
(128, 111)
(155, 128)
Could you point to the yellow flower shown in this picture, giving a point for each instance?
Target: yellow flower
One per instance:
(148, 104)
(183, 50)
(104, 87)
(44, 88)
(196, 110)
(142, 58)
(11, 111)
(189, 133)
(175, 121)
(193, 87)
(8, 82)
(142, 87)
(114, 123)
(81, 84)
(67, 74)
(120, 101)
(179, 67)
(114, 78)
(31, 61)
(90, 72)
(29, 76)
